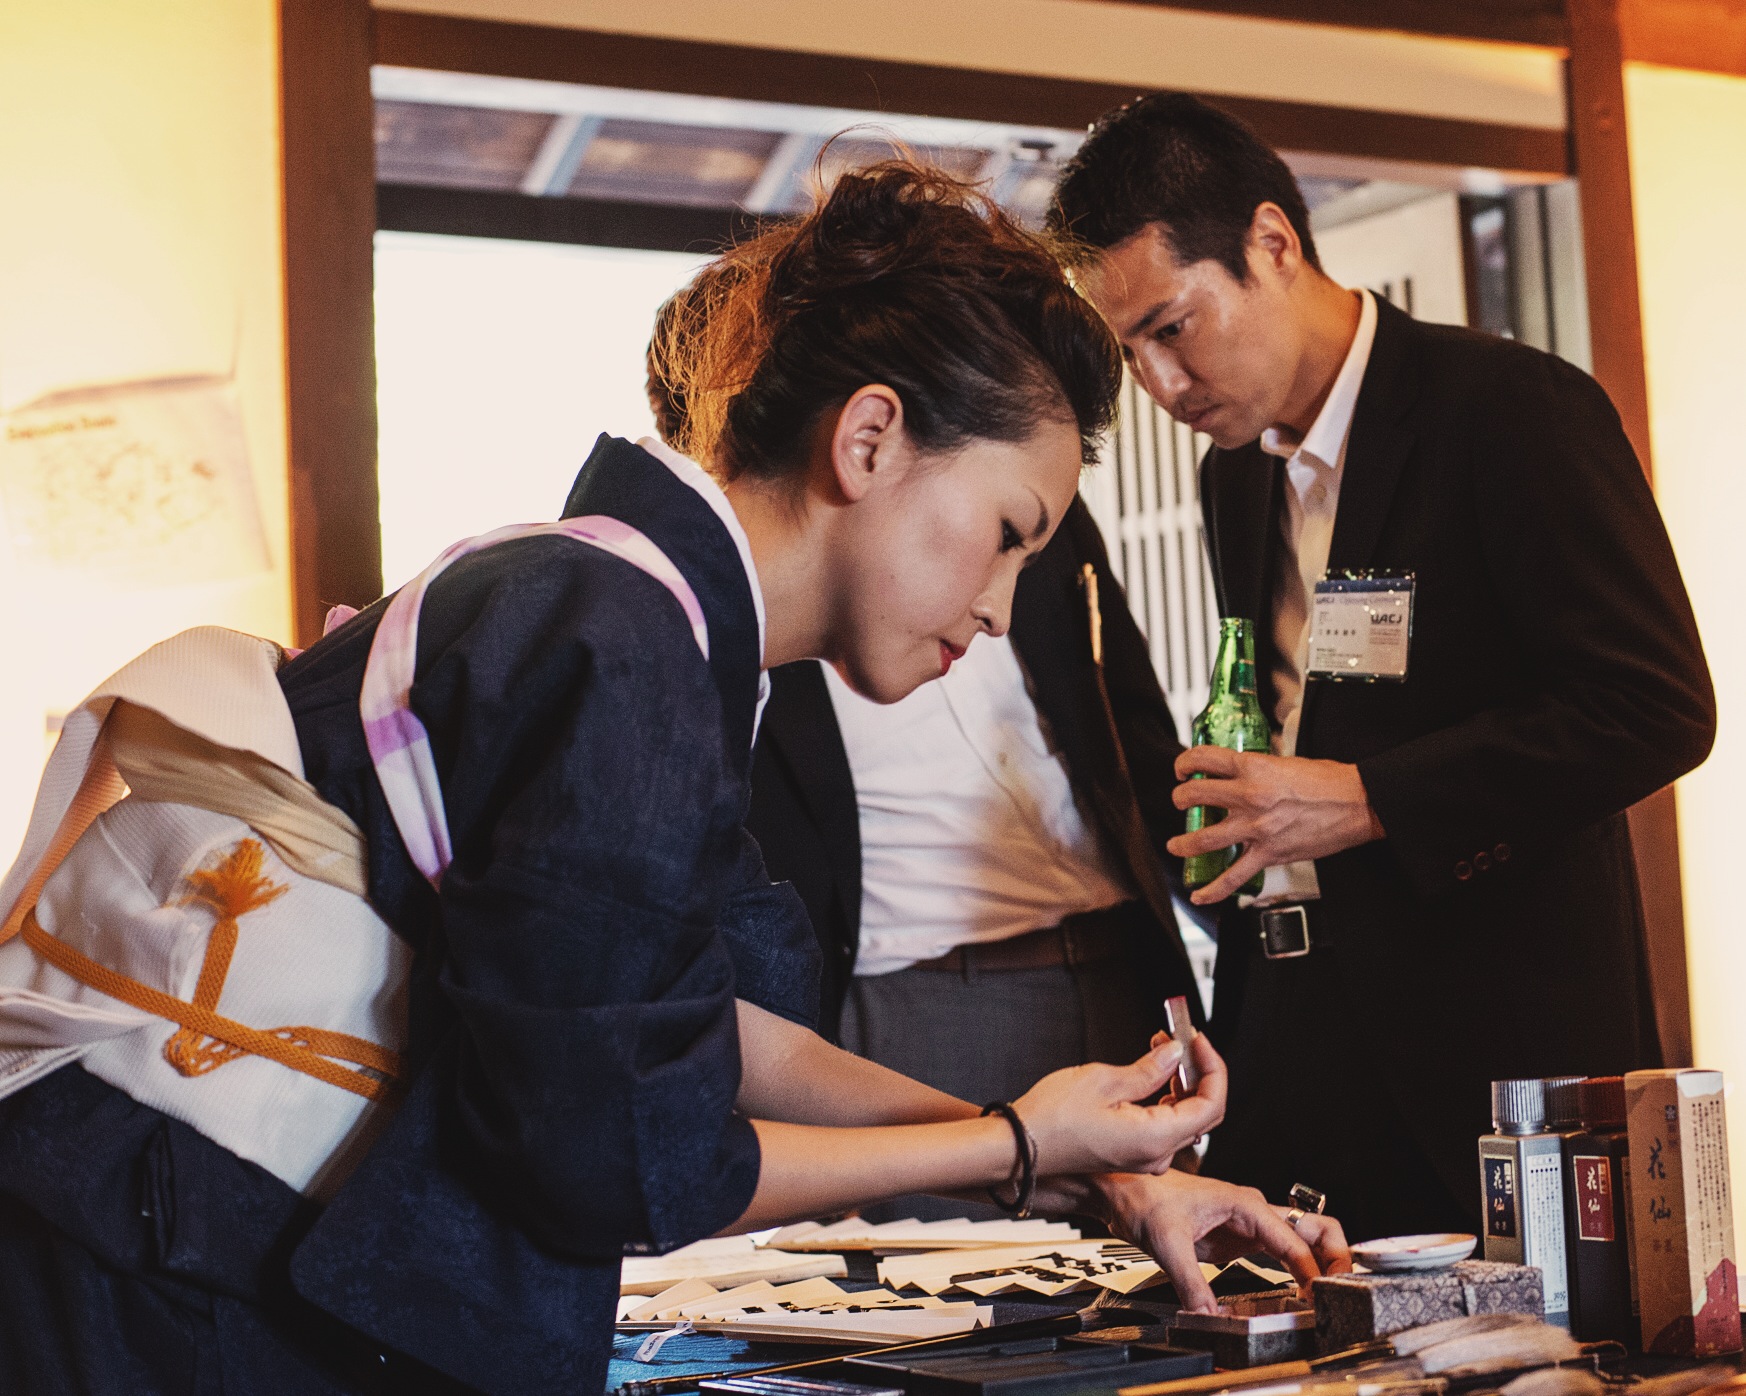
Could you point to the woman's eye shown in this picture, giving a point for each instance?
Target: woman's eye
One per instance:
(1009, 538)
(1170, 331)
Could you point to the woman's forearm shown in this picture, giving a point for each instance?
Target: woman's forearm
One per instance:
(791, 1074)
(809, 1171)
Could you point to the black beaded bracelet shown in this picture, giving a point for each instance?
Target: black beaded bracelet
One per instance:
(1024, 1171)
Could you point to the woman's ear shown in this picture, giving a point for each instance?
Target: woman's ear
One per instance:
(867, 444)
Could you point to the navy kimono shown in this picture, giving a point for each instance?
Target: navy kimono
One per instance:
(572, 1014)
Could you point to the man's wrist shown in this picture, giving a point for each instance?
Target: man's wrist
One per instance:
(1364, 812)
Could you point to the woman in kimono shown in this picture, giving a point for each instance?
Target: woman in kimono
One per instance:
(589, 1030)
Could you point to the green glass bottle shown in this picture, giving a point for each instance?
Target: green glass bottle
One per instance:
(1232, 719)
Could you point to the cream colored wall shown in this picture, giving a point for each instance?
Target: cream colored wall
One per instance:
(1100, 42)
(139, 237)
(1420, 240)
(1691, 208)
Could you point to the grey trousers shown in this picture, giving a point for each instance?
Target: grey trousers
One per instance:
(990, 1035)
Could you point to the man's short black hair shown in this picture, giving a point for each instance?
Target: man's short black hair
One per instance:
(1173, 160)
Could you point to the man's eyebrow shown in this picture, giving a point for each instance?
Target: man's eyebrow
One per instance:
(1146, 321)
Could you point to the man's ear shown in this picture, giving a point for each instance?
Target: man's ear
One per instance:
(1272, 236)
(866, 442)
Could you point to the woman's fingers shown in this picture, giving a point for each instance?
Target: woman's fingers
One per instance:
(1277, 1237)
(1327, 1239)
(1082, 1118)
(1173, 1249)
(1214, 1077)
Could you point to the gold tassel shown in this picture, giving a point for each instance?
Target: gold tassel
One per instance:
(232, 889)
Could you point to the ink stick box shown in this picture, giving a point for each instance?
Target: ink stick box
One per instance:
(1683, 1220)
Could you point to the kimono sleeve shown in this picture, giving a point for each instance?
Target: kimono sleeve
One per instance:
(770, 936)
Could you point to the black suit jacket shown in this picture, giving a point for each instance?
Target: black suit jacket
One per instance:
(1555, 678)
(803, 811)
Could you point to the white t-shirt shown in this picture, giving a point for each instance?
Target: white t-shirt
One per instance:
(969, 830)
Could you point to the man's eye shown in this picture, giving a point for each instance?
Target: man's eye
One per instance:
(1010, 538)
(1170, 331)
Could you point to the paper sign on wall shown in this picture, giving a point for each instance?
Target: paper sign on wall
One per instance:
(145, 482)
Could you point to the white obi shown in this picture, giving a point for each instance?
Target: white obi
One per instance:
(188, 917)
(123, 906)
(313, 955)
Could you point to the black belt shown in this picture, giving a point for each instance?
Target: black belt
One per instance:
(1287, 930)
(1086, 938)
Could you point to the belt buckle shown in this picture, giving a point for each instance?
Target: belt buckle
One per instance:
(1285, 933)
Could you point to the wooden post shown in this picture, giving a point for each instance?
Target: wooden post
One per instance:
(1601, 158)
(330, 340)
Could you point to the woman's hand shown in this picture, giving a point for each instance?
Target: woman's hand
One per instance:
(1085, 1119)
(1181, 1220)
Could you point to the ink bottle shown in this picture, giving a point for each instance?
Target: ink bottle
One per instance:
(1521, 1170)
(1597, 1213)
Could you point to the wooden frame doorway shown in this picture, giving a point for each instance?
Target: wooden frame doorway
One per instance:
(328, 47)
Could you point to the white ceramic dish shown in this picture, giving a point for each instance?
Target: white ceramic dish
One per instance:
(1429, 1252)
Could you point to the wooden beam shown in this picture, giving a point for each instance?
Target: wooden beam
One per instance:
(1596, 85)
(418, 208)
(411, 40)
(1708, 35)
(1655, 841)
(330, 340)
(1537, 22)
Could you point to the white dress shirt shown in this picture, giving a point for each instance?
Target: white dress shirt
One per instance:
(969, 830)
(1314, 466)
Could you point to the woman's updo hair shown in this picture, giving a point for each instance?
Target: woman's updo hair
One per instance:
(904, 276)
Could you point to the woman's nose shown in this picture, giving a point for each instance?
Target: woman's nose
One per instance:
(993, 611)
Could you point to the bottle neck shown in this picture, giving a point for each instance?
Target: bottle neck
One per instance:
(1234, 668)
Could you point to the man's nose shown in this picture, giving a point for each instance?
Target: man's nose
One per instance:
(1162, 376)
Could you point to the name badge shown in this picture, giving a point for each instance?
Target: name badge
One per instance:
(1361, 627)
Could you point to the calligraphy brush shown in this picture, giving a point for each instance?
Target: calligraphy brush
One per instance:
(1057, 1325)
(1456, 1348)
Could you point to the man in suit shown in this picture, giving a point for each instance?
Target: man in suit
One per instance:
(1450, 893)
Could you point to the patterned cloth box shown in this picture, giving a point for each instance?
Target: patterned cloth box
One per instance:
(1352, 1309)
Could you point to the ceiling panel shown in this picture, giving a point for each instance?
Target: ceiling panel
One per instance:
(460, 147)
(666, 163)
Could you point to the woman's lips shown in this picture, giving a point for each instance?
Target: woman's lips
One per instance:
(948, 653)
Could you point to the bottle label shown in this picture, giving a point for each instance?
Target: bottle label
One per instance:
(1594, 1197)
(1543, 1225)
(1500, 1198)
